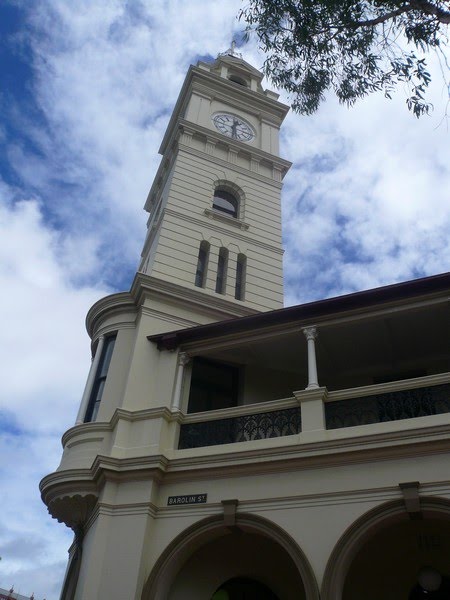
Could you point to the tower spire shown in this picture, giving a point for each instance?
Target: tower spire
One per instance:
(231, 51)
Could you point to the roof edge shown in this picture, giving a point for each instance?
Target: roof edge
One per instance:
(318, 308)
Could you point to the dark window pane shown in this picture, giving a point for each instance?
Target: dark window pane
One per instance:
(240, 277)
(221, 271)
(213, 385)
(200, 274)
(100, 378)
(225, 202)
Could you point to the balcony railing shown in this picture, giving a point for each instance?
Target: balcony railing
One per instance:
(243, 428)
(390, 406)
(312, 411)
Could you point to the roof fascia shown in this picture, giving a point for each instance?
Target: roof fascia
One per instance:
(419, 291)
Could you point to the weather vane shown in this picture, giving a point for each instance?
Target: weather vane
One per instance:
(231, 51)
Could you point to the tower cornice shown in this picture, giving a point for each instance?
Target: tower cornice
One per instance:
(255, 154)
(126, 304)
(214, 84)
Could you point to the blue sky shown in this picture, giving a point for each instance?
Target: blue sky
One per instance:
(87, 91)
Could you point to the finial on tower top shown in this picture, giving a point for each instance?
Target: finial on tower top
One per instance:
(231, 51)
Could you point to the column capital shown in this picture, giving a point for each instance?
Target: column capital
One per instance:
(183, 359)
(310, 332)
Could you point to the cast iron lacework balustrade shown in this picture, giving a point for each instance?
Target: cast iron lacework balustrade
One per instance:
(391, 406)
(259, 426)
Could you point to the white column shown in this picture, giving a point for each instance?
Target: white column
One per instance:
(311, 335)
(90, 381)
(183, 360)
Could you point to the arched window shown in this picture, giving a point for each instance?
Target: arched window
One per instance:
(222, 271)
(226, 202)
(241, 266)
(202, 263)
(237, 79)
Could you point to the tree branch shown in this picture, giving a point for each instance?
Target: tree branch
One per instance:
(381, 18)
(423, 6)
(443, 16)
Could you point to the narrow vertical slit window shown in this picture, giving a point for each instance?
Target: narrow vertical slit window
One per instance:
(100, 379)
(222, 271)
(202, 262)
(241, 266)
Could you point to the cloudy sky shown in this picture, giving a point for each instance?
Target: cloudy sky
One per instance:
(87, 88)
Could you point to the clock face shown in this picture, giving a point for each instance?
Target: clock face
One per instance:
(234, 127)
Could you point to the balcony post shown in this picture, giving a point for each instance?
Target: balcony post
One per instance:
(183, 360)
(311, 336)
(312, 403)
(90, 381)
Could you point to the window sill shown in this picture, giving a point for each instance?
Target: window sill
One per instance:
(215, 214)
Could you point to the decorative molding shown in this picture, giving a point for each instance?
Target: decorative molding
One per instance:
(229, 512)
(233, 156)
(183, 359)
(211, 304)
(411, 498)
(73, 510)
(254, 165)
(221, 230)
(257, 153)
(177, 552)
(143, 286)
(210, 146)
(239, 411)
(310, 332)
(114, 303)
(186, 137)
(151, 312)
(360, 530)
(391, 386)
(137, 508)
(228, 165)
(273, 456)
(215, 214)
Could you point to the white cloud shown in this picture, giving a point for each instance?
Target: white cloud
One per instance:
(44, 355)
(374, 205)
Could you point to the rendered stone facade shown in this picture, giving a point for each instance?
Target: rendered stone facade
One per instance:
(240, 449)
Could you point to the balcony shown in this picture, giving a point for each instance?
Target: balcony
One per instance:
(388, 406)
(319, 410)
(241, 428)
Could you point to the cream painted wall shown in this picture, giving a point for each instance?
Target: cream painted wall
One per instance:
(186, 225)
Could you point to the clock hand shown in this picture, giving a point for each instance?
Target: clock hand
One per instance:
(233, 128)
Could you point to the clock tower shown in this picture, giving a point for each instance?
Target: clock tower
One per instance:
(212, 253)
(215, 213)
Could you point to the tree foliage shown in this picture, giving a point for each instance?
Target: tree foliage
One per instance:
(352, 47)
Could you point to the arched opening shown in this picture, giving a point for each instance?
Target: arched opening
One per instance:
(237, 79)
(203, 559)
(202, 263)
(221, 277)
(226, 202)
(241, 267)
(242, 588)
(387, 554)
(233, 555)
(398, 553)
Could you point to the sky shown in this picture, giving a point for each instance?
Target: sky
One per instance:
(87, 89)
